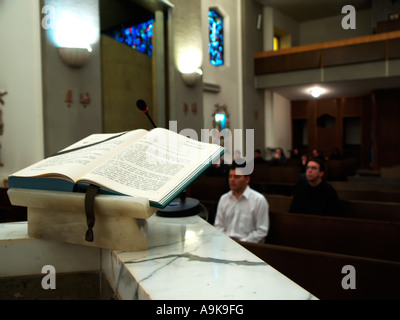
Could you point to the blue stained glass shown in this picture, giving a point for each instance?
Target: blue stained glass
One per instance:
(216, 38)
(138, 37)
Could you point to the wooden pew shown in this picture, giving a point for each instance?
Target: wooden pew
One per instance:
(340, 169)
(374, 190)
(368, 195)
(321, 272)
(278, 202)
(275, 179)
(208, 190)
(370, 210)
(375, 180)
(356, 237)
(373, 185)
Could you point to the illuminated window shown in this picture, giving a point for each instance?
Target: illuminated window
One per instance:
(216, 38)
(220, 120)
(139, 37)
(277, 44)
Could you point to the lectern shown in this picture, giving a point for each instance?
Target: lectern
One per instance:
(120, 221)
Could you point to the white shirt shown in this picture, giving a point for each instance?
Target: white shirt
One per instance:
(246, 219)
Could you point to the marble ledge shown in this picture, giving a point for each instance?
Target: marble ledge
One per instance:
(21, 255)
(190, 259)
(187, 259)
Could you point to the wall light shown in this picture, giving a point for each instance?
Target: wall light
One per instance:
(74, 57)
(189, 61)
(74, 36)
(192, 78)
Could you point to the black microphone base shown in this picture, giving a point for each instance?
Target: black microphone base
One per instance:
(180, 208)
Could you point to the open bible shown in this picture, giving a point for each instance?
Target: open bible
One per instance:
(157, 165)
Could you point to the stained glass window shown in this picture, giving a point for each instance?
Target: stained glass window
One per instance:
(216, 37)
(139, 37)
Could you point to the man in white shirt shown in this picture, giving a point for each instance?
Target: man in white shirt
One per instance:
(242, 213)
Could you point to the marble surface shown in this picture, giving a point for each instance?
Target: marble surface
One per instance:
(104, 205)
(190, 259)
(21, 254)
(187, 259)
(61, 216)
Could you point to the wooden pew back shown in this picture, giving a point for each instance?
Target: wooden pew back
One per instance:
(208, 188)
(365, 238)
(340, 169)
(357, 209)
(320, 273)
(270, 174)
(275, 179)
(371, 210)
(368, 195)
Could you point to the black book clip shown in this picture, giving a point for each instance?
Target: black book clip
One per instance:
(89, 209)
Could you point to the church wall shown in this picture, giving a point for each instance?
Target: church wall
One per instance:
(185, 55)
(21, 136)
(330, 29)
(66, 123)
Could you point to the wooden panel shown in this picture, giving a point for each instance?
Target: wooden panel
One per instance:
(300, 109)
(327, 106)
(327, 137)
(366, 129)
(354, 54)
(331, 44)
(352, 107)
(388, 129)
(394, 49)
(387, 26)
(289, 62)
(339, 52)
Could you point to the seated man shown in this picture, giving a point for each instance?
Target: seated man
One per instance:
(315, 196)
(258, 157)
(242, 213)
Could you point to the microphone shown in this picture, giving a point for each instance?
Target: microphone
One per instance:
(142, 106)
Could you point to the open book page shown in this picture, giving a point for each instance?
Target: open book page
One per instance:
(156, 166)
(72, 165)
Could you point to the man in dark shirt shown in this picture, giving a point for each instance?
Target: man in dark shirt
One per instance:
(315, 196)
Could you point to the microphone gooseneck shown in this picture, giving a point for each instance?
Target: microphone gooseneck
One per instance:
(142, 106)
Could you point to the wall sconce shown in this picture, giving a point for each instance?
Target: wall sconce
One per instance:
(74, 57)
(191, 79)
